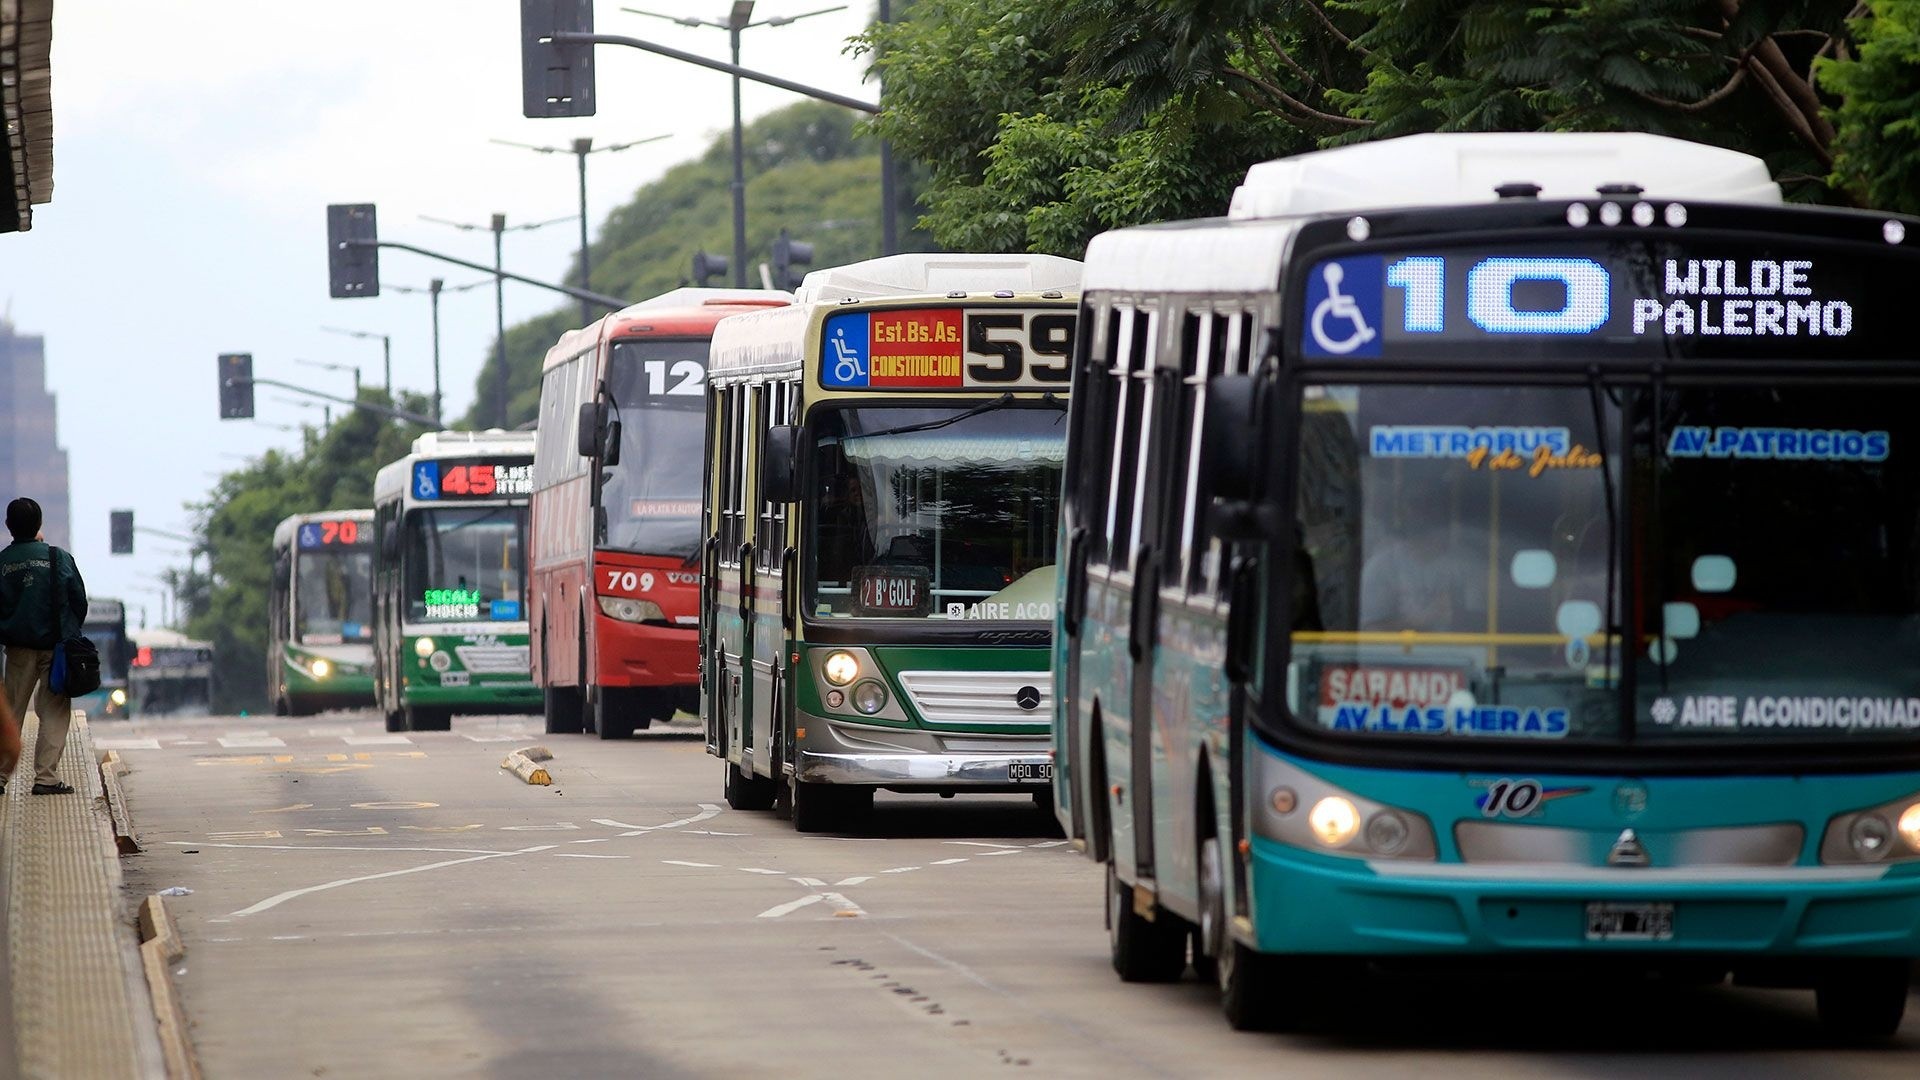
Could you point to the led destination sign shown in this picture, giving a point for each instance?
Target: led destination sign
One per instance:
(947, 349)
(1756, 300)
(320, 535)
(441, 480)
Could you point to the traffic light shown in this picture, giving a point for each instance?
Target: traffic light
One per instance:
(120, 532)
(707, 266)
(353, 252)
(787, 253)
(555, 80)
(236, 386)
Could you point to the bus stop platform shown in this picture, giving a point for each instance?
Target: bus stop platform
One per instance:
(71, 970)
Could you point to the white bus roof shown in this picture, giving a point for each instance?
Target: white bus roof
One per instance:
(1453, 168)
(928, 274)
(161, 638)
(1244, 252)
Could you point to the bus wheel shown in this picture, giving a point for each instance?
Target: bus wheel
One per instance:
(561, 706)
(1143, 950)
(1863, 999)
(746, 792)
(614, 712)
(427, 719)
(826, 807)
(396, 721)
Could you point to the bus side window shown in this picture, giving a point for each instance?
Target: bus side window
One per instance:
(1091, 423)
(1184, 403)
(729, 474)
(1131, 436)
(762, 511)
(1231, 349)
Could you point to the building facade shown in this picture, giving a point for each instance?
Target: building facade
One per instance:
(32, 462)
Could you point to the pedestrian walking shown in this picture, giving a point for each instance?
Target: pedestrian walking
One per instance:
(43, 602)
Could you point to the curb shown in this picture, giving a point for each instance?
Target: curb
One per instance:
(522, 764)
(160, 949)
(124, 837)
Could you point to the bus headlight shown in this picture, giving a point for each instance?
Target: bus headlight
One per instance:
(119, 696)
(1301, 810)
(1888, 832)
(629, 610)
(869, 697)
(423, 647)
(840, 668)
(1334, 821)
(321, 668)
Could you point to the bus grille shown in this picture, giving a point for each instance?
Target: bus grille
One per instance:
(494, 659)
(980, 697)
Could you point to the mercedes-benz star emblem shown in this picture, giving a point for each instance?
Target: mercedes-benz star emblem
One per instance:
(1027, 697)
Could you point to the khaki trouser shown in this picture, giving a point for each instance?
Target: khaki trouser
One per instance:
(26, 670)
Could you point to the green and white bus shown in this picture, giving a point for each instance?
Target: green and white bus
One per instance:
(883, 475)
(1500, 547)
(450, 571)
(320, 613)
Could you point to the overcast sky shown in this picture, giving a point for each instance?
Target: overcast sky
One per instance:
(196, 145)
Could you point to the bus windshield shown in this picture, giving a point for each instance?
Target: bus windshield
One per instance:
(465, 563)
(652, 498)
(333, 600)
(935, 511)
(1781, 581)
(1454, 578)
(110, 641)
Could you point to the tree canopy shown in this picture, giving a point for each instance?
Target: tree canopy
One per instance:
(1044, 121)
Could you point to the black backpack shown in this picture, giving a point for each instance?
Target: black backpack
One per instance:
(76, 663)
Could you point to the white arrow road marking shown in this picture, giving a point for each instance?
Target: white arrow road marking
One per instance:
(808, 882)
(791, 906)
(1049, 843)
(584, 855)
(900, 870)
(854, 880)
(707, 810)
(978, 843)
(1006, 851)
(757, 870)
(683, 862)
(946, 862)
(294, 894)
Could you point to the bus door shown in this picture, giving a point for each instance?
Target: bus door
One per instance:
(731, 618)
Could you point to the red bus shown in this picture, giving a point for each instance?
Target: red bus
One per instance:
(614, 553)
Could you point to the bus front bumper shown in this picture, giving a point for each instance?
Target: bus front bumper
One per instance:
(1306, 902)
(926, 772)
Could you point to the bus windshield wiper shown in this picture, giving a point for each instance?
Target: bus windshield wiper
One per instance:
(1000, 402)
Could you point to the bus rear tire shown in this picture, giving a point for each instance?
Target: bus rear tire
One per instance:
(1863, 1000)
(746, 792)
(560, 706)
(614, 712)
(1144, 950)
(420, 718)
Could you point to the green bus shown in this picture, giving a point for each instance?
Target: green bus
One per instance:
(320, 613)
(450, 568)
(883, 472)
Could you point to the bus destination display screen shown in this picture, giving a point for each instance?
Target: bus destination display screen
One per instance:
(330, 534)
(1768, 297)
(445, 480)
(947, 349)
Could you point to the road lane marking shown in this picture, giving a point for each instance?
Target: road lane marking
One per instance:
(596, 840)
(853, 880)
(844, 908)
(757, 870)
(1049, 843)
(707, 811)
(584, 855)
(341, 847)
(900, 870)
(808, 882)
(683, 862)
(376, 740)
(1004, 851)
(261, 741)
(978, 843)
(284, 809)
(946, 862)
(791, 906)
(127, 744)
(325, 730)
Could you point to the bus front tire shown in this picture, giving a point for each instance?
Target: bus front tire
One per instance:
(826, 807)
(1863, 1000)
(746, 792)
(1144, 950)
(428, 719)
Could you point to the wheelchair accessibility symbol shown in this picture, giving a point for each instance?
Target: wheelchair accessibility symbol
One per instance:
(844, 363)
(1343, 305)
(426, 480)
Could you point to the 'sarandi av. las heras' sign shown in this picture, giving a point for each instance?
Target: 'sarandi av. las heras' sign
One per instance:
(1754, 300)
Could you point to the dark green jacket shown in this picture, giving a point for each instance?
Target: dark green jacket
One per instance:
(29, 616)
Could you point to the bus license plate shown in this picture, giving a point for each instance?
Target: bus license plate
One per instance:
(456, 678)
(1031, 772)
(1629, 922)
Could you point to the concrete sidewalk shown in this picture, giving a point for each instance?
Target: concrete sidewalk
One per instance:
(81, 1007)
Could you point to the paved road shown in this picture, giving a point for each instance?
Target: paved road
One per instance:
(367, 904)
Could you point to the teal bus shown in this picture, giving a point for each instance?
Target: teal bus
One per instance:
(882, 483)
(320, 613)
(450, 574)
(1499, 548)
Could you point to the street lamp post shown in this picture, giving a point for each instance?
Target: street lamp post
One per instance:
(738, 20)
(386, 353)
(580, 149)
(498, 226)
(433, 297)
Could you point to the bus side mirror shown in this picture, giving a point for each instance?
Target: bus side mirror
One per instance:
(593, 422)
(1229, 447)
(610, 447)
(776, 464)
